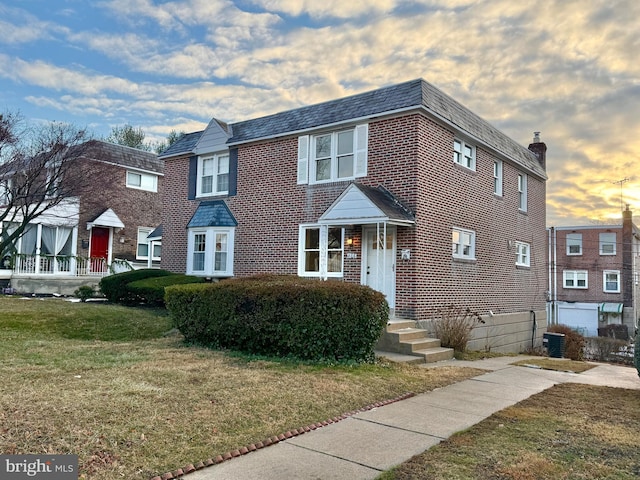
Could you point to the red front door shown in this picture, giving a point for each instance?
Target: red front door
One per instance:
(99, 242)
(99, 251)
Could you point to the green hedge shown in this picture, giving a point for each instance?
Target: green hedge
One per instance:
(284, 316)
(114, 287)
(151, 290)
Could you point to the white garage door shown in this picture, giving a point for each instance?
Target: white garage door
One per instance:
(581, 316)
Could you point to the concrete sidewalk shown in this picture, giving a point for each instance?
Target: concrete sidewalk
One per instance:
(365, 444)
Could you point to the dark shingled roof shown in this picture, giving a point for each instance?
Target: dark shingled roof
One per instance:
(415, 94)
(387, 202)
(121, 155)
(185, 144)
(213, 213)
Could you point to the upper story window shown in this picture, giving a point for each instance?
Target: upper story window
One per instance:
(497, 177)
(574, 244)
(522, 192)
(575, 279)
(607, 243)
(463, 243)
(5, 191)
(464, 154)
(142, 181)
(523, 254)
(321, 251)
(333, 156)
(213, 175)
(611, 281)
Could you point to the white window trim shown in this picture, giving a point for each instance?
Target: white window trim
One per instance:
(522, 192)
(216, 162)
(497, 177)
(574, 276)
(572, 242)
(459, 158)
(472, 244)
(604, 280)
(306, 156)
(143, 233)
(150, 186)
(323, 254)
(602, 243)
(209, 254)
(523, 259)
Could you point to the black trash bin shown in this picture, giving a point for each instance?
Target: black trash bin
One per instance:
(554, 342)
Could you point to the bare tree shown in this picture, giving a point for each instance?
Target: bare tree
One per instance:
(36, 172)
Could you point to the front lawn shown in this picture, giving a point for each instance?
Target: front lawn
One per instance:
(118, 387)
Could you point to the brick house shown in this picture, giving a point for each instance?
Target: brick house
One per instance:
(105, 222)
(593, 275)
(402, 189)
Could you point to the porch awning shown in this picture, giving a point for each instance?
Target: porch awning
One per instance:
(611, 307)
(156, 235)
(108, 218)
(214, 213)
(362, 205)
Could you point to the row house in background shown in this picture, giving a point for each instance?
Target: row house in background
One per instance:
(110, 221)
(402, 189)
(593, 275)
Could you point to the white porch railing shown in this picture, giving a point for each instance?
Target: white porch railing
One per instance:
(61, 265)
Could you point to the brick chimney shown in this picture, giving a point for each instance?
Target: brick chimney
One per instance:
(540, 149)
(627, 257)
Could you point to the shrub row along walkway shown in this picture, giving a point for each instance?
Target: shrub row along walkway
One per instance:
(363, 445)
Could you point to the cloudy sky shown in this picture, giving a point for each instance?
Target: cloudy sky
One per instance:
(566, 68)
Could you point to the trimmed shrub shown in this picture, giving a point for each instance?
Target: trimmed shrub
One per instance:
(114, 287)
(84, 292)
(151, 290)
(573, 342)
(285, 316)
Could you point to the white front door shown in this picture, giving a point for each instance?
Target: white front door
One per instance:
(379, 265)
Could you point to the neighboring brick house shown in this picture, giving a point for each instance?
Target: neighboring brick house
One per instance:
(402, 189)
(593, 275)
(106, 221)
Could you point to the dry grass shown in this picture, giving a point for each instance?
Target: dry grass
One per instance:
(558, 364)
(567, 432)
(103, 382)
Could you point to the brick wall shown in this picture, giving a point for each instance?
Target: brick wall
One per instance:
(412, 157)
(136, 208)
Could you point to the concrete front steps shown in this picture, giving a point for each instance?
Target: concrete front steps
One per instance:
(402, 340)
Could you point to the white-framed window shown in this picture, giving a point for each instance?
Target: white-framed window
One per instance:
(210, 251)
(333, 156)
(611, 281)
(523, 254)
(497, 177)
(607, 243)
(142, 181)
(463, 243)
(464, 154)
(522, 192)
(320, 251)
(142, 249)
(574, 244)
(213, 175)
(575, 279)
